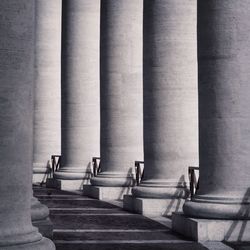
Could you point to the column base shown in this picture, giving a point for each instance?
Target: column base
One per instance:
(106, 193)
(211, 229)
(43, 244)
(152, 206)
(40, 218)
(70, 179)
(109, 179)
(45, 227)
(38, 210)
(67, 184)
(218, 207)
(158, 189)
(72, 173)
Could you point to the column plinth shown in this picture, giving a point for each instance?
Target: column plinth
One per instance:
(121, 94)
(16, 133)
(80, 91)
(224, 123)
(169, 101)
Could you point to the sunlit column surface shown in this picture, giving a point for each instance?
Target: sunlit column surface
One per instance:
(121, 91)
(16, 133)
(47, 98)
(80, 88)
(47, 114)
(169, 98)
(224, 114)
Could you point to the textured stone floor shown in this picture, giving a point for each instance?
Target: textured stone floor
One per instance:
(84, 223)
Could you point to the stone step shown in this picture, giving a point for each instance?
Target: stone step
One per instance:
(88, 211)
(49, 191)
(119, 235)
(174, 245)
(85, 223)
(103, 222)
(53, 203)
(63, 198)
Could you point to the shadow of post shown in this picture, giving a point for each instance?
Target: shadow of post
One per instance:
(243, 217)
(177, 197)
(88, 175)
(47, 174)
(130, 182)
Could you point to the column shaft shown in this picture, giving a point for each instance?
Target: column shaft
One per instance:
(121, 91)
(224, 114)
(16, 133)
(47, 99)
(47, 114)
(80, 88)
(169, 97)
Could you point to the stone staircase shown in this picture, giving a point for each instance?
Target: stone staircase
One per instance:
(85, 223)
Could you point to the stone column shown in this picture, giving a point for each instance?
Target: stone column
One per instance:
(121, 93)
(47, 114)
(224, 121)
(80, 91)
(16, 133)
(170, 104)
(47, 99)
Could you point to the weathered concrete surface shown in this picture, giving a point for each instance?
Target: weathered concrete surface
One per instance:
(16, 133)
(169, 98)
(80, 88)
(224, 114)
(47, 113)
(121, 91)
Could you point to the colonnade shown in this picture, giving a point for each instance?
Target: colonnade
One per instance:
(129, 91)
